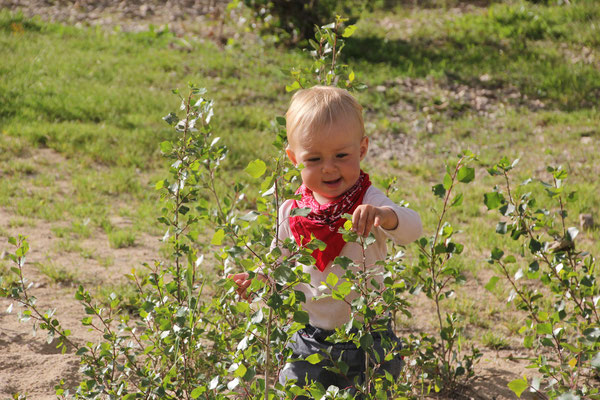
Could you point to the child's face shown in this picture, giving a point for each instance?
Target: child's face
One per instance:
(331, 159)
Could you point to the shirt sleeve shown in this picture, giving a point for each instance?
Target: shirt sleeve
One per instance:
(409, 226)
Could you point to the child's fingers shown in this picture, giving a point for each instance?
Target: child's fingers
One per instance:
(370, 219)
(359, 220)
(245, 284)
(238, 276)
(363, 219)
(377, 221)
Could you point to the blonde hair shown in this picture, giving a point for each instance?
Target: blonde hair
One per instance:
(319, 107)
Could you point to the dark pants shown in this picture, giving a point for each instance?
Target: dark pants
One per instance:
(311, 340)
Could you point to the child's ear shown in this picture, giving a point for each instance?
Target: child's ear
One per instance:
(364, 146)
(291, 155)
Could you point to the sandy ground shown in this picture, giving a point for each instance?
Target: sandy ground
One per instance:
(28, 364)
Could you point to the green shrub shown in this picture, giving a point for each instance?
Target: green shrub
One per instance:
(292, 21)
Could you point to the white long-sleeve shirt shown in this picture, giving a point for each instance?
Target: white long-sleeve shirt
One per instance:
(329, 313)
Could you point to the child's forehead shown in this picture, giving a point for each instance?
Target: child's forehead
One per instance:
(345, 132)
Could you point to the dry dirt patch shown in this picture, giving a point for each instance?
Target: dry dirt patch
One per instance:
(28, 364)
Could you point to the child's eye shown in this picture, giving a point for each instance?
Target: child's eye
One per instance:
(341, 155)
(313, 159)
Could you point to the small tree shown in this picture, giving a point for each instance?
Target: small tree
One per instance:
(566, 335)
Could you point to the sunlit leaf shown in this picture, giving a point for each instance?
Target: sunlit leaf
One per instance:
(518, 386)
(256, 168)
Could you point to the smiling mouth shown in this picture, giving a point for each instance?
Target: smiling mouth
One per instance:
(333, 182)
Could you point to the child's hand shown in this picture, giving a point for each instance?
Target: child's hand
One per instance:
(366, 216)
(242, 281)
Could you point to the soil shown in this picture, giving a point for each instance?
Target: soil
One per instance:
(30, 365)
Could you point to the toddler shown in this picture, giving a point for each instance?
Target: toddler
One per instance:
(325, 132)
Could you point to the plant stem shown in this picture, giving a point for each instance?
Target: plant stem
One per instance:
(268, 353)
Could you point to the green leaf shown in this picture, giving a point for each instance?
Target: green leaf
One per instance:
(501, 228)
(518, 386)
(251, 216)
(171, 118)
(166, 147)
(256, 168)
(197, 392)
(350, 29)
(332, 279)
(343, 262)
(497, 254)
(493, 200)
(465, 174)
(492, 283)
(544, 329)
(292, 87)
(439, 190)
(240, 371)
(457, 200)
(314, 358)
(351, 76)
(366, 341)
(345, 288)
(218, 237)
(301, 317)
(534, 246)
(300, 212)
(447, 181)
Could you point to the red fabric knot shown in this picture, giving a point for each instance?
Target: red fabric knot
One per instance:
(324, 220)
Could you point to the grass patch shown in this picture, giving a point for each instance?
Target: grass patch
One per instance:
(56, 273)
(494, 341)
(519, 43)
(72, 246)
(121, 239)
(19, 222)
(106, 261)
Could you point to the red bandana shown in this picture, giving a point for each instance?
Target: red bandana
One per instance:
(325, 220)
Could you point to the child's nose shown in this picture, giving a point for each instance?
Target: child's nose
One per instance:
(328, 166)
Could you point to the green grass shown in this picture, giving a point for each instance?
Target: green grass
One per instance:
(494, 341)
(56, 273)
(121, 239)
(515, 43)
(106, 99)
(101, 109)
